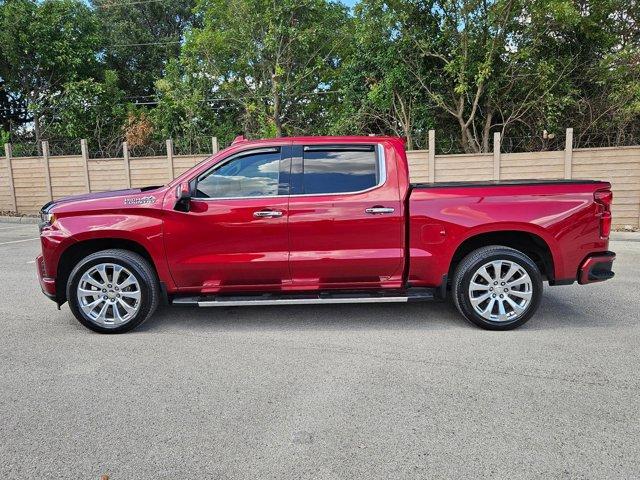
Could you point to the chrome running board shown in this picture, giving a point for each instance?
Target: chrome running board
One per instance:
(298, 301)
(337, 297)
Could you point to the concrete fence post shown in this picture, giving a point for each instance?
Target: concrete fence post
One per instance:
(432, 156)
(214, 145)
(84, 147)
(496, 155)
(12, 190)
(47, 169)
(170, 158)
(127, 165)
(568, 153)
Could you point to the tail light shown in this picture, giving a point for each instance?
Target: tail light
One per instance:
(603, 199)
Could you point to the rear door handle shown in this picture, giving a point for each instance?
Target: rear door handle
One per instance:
(379, 210)
(267, 214)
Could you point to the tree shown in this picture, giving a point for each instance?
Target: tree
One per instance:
(186, 114)
(380, 92)
(189, 69)
(91, 109)
(12, 109)
(477, 58)
(140, 38)
(606, 109)
(276, 60)
(508, 64)
(45, 45)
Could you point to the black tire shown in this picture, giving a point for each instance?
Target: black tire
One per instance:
(469, 266)
(134, 263)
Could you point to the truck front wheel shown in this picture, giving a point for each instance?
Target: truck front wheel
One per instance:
(497, 288)
(113, 291)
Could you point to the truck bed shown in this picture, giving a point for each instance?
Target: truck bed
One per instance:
(560, 215)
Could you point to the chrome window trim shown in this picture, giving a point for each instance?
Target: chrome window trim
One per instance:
(382, 168)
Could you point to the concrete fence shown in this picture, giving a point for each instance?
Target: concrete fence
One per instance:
(618, 165)
(26, 183)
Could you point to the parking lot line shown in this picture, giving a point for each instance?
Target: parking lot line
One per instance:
(20, 241)
(16, 226)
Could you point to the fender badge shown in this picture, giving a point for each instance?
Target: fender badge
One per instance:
(140, 201)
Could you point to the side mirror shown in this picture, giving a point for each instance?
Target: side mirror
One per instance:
(183, 197)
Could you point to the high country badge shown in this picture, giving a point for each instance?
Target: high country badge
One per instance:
(140, 200)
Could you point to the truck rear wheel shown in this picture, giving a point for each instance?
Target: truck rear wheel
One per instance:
(113, 291)
(497, 288)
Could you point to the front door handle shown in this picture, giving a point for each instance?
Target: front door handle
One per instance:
(267, 214)
(379, 210)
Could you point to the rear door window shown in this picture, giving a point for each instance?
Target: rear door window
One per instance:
(339, 169)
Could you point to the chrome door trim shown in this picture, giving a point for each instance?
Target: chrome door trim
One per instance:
(382, 168)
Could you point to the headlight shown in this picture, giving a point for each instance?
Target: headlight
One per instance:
(47, 218)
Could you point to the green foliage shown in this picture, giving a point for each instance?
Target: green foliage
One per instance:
(273, 60)
(139, 39)
(381, 94)
(45, 45)
(185, 113)
(199, 68)
(90, 109)
(512, 66)
(4, 137)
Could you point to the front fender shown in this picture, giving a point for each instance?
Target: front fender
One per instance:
(143, 230)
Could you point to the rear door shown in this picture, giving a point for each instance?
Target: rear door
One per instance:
(345, 217)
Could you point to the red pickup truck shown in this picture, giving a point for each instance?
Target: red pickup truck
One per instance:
(321, 220)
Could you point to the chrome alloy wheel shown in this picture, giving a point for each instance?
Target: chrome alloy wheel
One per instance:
(109, 294)
(500, 291)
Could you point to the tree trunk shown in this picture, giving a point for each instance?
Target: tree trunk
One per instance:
(402, 114)
(37, 130)
(486, 131)
(277, 121)
(409, 140)
(466, 138)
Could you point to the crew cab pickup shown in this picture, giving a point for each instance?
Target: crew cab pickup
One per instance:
(321, 220)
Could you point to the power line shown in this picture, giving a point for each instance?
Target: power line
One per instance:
(206, 100)
(126, 4)
(245, 97)
(141, 44)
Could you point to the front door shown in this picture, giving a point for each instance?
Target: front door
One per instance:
(345, 218)
(235, 235)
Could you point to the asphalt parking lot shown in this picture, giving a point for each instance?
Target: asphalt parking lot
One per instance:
(320, 392)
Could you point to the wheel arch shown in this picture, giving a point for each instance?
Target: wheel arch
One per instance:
(80, 249)
(529, 243)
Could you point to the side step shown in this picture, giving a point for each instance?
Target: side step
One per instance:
(326, 297)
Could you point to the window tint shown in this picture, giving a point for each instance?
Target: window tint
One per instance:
(340, 170)
(248, 176)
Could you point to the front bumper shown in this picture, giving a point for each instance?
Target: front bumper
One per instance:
(47, 284)
(596, 268)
